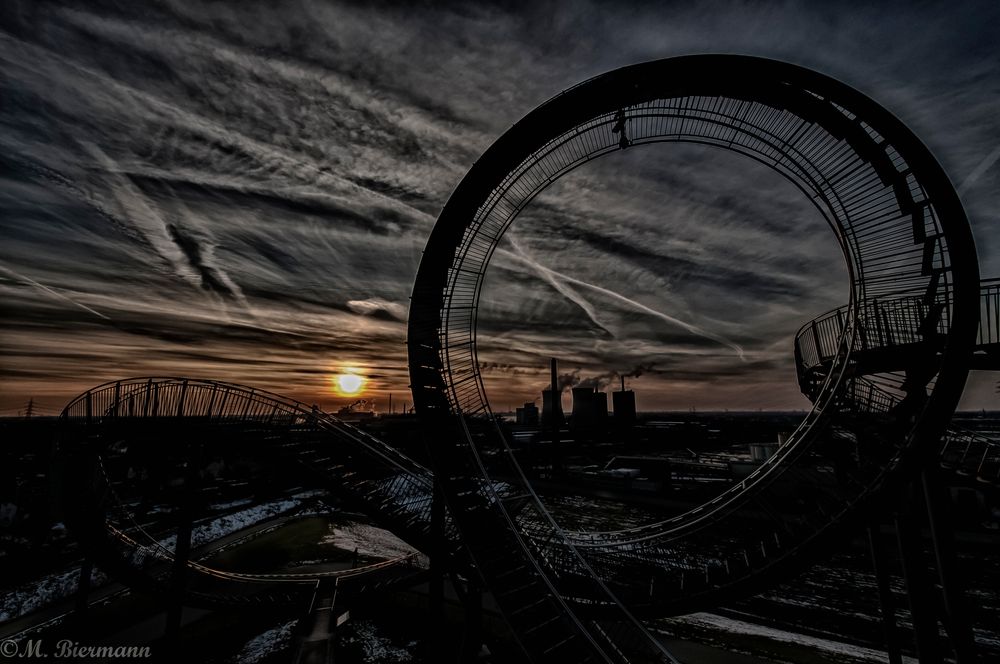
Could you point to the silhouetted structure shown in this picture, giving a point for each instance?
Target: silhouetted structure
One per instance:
(552, 413)
(590, 407)
(600, 405)
(910, 325)
(624, 405)
(583, 406)
(527, 414)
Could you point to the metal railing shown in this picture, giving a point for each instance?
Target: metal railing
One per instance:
(973, 454)
(989, 313)
(881, 324)
(388, 482)
(888, 323)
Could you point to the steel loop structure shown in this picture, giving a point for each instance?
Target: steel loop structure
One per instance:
(884, 373)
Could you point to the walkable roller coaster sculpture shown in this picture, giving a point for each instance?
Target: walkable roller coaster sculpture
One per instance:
(884, 373)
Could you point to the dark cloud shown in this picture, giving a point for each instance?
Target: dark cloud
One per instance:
(192, 250)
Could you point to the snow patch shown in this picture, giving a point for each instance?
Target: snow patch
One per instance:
(367, 540)
(377, 649)
(228, 524)
(268, 643)
(231, 504)
(57, 586)
(843, 650)
(36, 594)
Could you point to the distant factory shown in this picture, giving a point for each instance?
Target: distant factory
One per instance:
(527, 414)
(590, 406)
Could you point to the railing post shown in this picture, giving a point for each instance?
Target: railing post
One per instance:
(145, 404)
(888, 329)
(211, 400)
(156, 400)
(968, 446)
(180, 400)
(222, 405)
(246, 410)
(876, 314)
(982, 462)
(819, 350)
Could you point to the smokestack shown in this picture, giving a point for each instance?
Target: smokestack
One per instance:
(552, 414)
(623, 382)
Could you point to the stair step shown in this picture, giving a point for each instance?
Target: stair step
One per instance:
(528, 607)
(560, 644)
(542, 625)
(513, 591)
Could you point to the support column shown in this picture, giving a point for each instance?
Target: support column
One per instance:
(182, 552)
(472, 640)
(918, 589)
(939, 516)
(438, 569)
(182, 549)
(886, 604)
(318, 628)
(82, 602)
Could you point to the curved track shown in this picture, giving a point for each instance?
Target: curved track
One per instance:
(905, 238)
(114, 437)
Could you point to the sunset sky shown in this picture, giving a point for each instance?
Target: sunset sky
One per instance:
(243, 192)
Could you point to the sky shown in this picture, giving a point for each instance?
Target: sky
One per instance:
(242, 192)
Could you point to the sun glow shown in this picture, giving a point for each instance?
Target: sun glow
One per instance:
(348, 383)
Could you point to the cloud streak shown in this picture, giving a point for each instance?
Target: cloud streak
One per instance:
(556, 279)
(50, 292)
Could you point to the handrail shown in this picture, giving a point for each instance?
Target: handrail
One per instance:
(252, 395)
(893, 322)
(150, 396)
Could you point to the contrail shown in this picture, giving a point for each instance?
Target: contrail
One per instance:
(979, 170)
(548, 276)
(46, 289)
(139, 212)
(552, 276)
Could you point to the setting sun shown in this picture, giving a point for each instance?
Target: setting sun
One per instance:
(348, 384)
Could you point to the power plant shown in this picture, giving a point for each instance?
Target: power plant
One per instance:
(590, 405)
